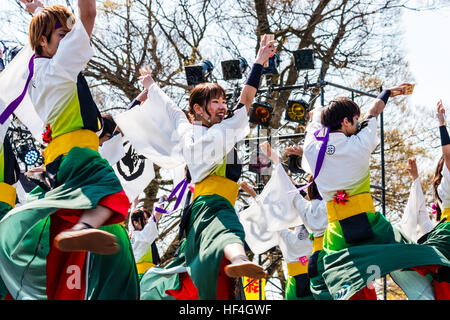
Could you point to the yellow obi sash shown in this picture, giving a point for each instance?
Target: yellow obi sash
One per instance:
(355, 205)
(7, 194)
(221, 186)
(317, 244)
(445, 214)
(142, 267)
(62, 144)
(296, 268)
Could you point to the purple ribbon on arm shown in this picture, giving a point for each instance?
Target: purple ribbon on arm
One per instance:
(183, 185)
(9, 110)
(320, 156)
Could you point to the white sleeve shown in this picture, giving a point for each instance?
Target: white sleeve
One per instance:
(112, 149)
(313, 214)
(416, 221)
(425, 222)
(367, 138)
(73, 54)
(416, 201)
(142, 240)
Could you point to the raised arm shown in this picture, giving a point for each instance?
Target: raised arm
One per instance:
(269, 152)
(266, 51)
(87, 11)
(412, 169)
(415, 212)
(380, 102)
(249, 189)
(32, 5)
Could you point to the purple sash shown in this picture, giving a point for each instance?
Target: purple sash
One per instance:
(183, 185)
(320, 156)
(9, 110)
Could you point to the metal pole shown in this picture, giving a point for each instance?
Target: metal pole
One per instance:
(383, 187)
(280, 137)
(258, 182)
(322, 90)
(324, 83)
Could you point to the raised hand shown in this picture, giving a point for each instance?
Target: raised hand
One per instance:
(294, 150)
(401, 89)
(32, 5)
(412, 168)
(266, 50)
(146, 77)
(269, 153)
(440, 113)
(248, 189)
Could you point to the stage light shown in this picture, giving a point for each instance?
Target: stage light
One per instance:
(233, 69)
(295, 164)
(304, 59)
(296, 110)
(261, 113)
(274, 62)
(197, 74)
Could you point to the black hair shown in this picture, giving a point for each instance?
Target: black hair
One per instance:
(436, 182)
(312, 191)
(139, 216)
(109, 125)
(337, 110)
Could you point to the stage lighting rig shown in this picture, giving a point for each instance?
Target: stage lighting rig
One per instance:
(296, 110)
(233, 69)
(304, 59)
(261, 113)
(274, 62)
(199, 73)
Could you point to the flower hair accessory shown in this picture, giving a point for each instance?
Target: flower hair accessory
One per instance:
(434, 207)
(341, 197)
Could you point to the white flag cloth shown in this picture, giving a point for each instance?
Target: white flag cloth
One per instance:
(112, 149)
(313, 214)
(134, 171)
(272, 211)
(12, 84)
(152, 129)
(257, 235)
(415, 221)
(277, 203)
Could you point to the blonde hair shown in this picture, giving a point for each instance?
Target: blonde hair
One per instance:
(45, 22)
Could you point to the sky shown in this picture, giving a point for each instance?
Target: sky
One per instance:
(427, 46)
